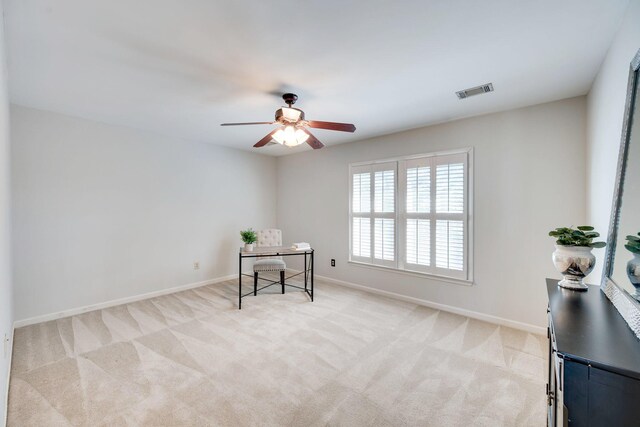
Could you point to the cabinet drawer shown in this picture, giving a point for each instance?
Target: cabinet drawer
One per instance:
(613, 399)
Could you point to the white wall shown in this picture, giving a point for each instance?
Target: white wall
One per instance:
(529, 178)
(605, 110)
(6, 303)
(103, 212)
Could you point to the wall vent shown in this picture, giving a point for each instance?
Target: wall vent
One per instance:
(475, 91)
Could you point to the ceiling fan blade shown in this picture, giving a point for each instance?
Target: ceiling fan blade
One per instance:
(342, 127)
(247, 123)
(264, 141)
(313, 141)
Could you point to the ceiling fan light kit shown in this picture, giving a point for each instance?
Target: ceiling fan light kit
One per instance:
(292, 131)
(290, 136)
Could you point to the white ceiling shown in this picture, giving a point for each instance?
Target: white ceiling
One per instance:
(182, 67)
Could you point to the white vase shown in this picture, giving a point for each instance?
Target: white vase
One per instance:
(248, 247)
(574, 263)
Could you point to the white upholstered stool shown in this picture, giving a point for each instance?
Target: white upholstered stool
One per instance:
(269, 237)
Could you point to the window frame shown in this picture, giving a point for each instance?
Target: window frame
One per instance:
(400, 264)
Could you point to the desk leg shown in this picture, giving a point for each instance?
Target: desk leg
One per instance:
(282, 280)
(239, 281)
(312, 268)
(305, 271)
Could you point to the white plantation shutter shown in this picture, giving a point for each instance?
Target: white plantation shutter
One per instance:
(360, 214)
(413, 214)
(418, 188)
(384, 214)
(361, 229)
(373, 210)
(450, 188)
(385, 243)
(435, 199)
(385, 189)
(450, 199)
(451, 208)
(417, 213)
(450, 244)
(361, 192)
(418, 242)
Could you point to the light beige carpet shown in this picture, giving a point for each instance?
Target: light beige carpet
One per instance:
(350, 358)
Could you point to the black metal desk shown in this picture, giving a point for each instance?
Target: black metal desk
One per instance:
(271, 251)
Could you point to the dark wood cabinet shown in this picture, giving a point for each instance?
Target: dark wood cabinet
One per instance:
(594, 361)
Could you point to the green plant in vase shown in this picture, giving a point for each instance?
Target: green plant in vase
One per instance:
(249, 237)
(573, 257)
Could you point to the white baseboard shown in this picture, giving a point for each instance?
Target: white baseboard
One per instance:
(451, 309)
(438, 306)
(120, 301)
(6, 391)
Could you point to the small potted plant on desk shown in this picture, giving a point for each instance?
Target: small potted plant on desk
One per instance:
(573, 257)
(249, 238)
(633, 266)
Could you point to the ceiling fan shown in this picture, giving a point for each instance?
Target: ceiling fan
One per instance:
(292, 130)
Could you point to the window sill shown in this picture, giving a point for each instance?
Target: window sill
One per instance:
(414, 273)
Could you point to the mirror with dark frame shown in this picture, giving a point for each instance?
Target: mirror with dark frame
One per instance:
(621, 275)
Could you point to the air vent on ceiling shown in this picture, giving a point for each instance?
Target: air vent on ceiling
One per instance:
(475, 91)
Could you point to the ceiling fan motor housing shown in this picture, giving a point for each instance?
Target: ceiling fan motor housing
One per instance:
(290, 98)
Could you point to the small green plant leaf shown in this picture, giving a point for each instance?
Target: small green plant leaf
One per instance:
(633, 249)
(585, 228)
(633, 244)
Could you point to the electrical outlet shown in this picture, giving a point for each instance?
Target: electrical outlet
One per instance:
(333, 262)
(196, 265)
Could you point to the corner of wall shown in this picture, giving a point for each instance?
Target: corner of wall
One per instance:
(6, 283)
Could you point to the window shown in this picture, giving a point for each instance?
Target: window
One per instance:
(413, 214)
